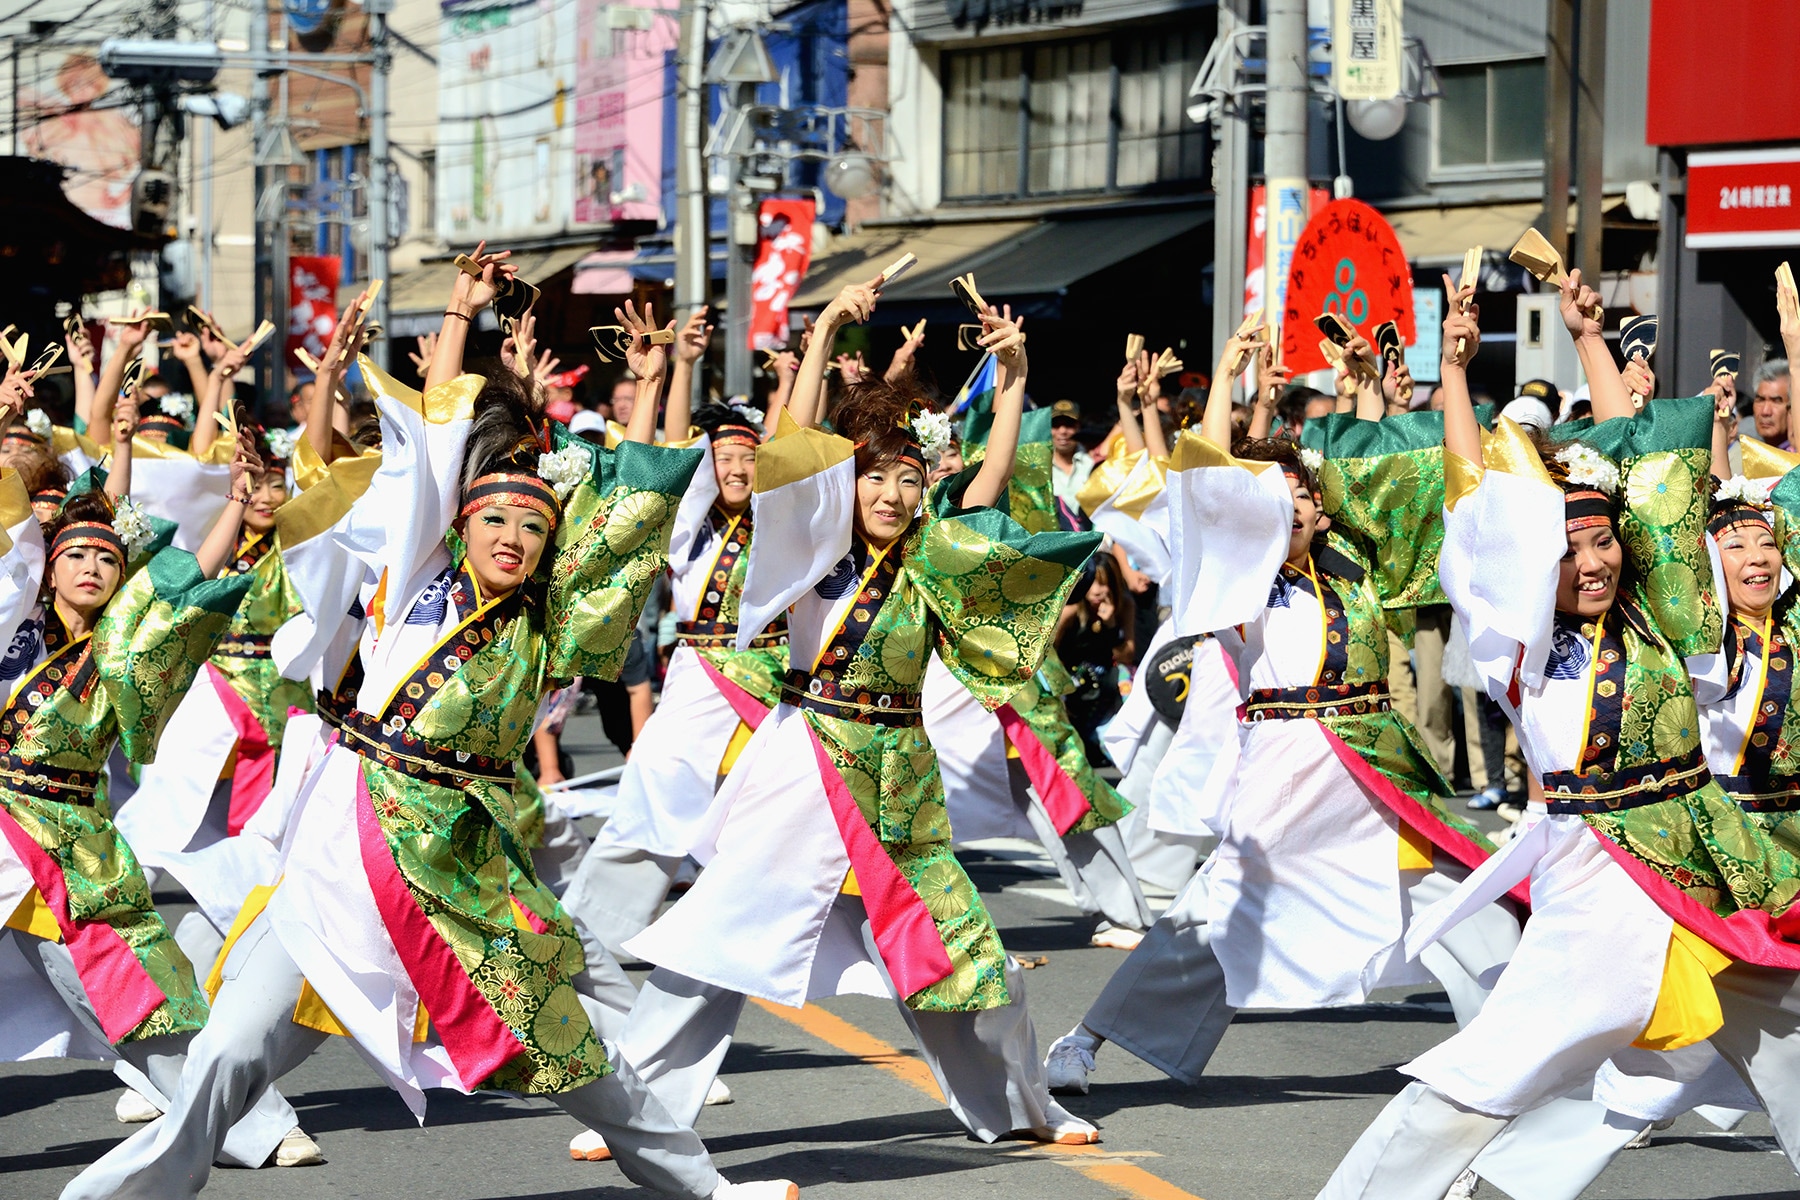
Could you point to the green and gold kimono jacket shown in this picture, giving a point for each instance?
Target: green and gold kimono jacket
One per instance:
(436, 763)
(1038, 704)
(68, 700)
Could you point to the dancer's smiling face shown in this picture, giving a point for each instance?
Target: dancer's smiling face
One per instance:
(734, 467)
(1752, 565)
(887, 496)
(505, 542)
(1589, 577)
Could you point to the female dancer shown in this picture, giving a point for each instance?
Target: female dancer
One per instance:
(415, 942)
(1658, 905)
(840, 785)
(714, 695)
(106, 630)
(1022, 770)
(1333, 830)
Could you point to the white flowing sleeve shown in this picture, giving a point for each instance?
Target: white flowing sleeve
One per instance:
(172, 484)
(396, 529)
(1136, 515)
(805, 510)
(696, 503)
(1503, 541)
(21, 556)
(1229, 527)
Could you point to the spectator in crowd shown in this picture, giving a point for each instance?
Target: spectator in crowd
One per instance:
(1300, 405)
(1070, 463)
(1094, 638)
(1773, 397)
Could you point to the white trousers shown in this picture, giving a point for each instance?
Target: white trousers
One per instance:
(251, 1041)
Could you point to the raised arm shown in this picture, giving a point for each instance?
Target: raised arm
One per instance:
(1151, 391)
(468, 296)
(1004, 337)
(787, 365)
(127, 345)
(649, 363)
(1371, 401)
(222, 539)
(690, 347)
(1583, 318)
(1128, 412)
(81, 363)
(1215, 425)
(124, 428)
(1270, 380)
(1462, 337)
(1787, 306)
(221, 395)
(322, 411)
(902, 361)
(854, 305)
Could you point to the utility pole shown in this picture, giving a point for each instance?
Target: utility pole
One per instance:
(692, 275)
(1590, 138)
(1559, 131)
(1284, 147)
(379, 234)
(1231, 178)
(263, 286)
(740, 261)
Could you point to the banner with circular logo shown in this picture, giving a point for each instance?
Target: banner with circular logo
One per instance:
(1348, 261)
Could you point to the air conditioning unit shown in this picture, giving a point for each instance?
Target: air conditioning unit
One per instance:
(1544, 350)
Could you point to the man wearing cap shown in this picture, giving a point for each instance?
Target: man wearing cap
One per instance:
(1070, 463)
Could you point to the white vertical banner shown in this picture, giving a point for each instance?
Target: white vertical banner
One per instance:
(1365, 49)
(1284, 219)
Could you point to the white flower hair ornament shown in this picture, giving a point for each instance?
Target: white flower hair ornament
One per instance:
(564, 469)
(179, 405)
(933, 431)
(132, 523)
(1587, 467)
(38, 421)
(1314, 459)
(1754, 492)
(753, 417)
(281, 442)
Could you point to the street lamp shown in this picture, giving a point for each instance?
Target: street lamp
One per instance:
(161, 62)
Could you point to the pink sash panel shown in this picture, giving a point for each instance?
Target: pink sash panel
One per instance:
(118, 986)
(907, 937)
(254, 774)
(748, 708)
(1748, 935)
(478, 1041)
(1062, 798)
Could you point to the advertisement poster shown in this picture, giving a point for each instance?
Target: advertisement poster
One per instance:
(619, 111)
(60, 121)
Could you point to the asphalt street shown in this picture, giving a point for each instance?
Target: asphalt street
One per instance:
(834, 1097)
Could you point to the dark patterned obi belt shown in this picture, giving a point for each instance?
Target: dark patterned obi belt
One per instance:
(1759, 793)
(244, 645)
(43, 782)
(1572, 793)
(897, 709)
(394, 746)
(722, 635)
(1316, 703)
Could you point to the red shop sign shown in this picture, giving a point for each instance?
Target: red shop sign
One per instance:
(1348, 261)
(1743, 198)
(312, 304)
(783, 252)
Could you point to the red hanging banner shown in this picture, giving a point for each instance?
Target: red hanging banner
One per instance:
(312, 304)
(783, 252)
(1348, 261)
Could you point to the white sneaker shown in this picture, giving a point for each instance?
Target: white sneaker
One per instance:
(298, 1150)
(757, 1189)
(1065, 1128)
(588, 1146)
(1116, 937)
(1067, 1065)
(718, 1093)
(134, 1109)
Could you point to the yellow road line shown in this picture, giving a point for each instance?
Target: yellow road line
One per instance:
(1104, 1167)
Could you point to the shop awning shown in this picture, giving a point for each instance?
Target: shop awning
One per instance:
(1009, 258)
(1440, 236)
